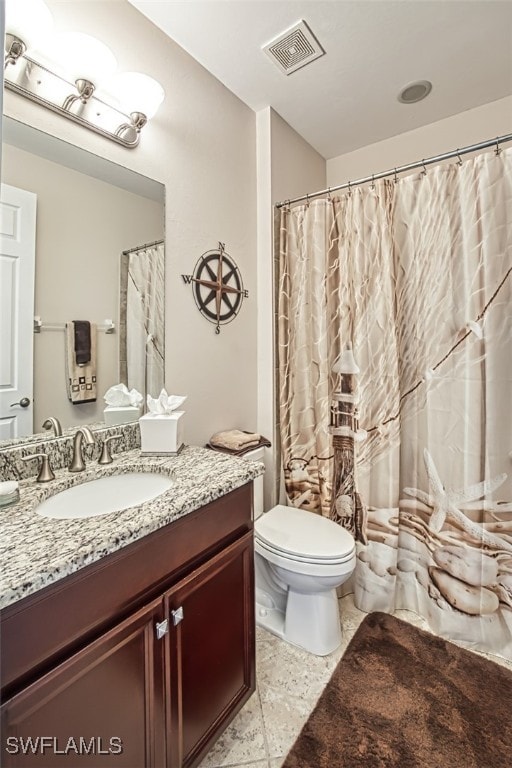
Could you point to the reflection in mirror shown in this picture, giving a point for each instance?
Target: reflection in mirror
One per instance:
(89, 211)
(141, 319)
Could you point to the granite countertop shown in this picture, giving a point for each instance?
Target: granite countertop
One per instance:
(36, 551)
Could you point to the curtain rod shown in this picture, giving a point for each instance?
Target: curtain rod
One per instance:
(403, 168)
(141, 247)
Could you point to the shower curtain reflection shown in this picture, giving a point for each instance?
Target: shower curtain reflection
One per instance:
(417, 274)
(142, 319)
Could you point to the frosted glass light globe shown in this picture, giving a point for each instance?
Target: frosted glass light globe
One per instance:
(136, 92)
(82, 56)
(30, 20)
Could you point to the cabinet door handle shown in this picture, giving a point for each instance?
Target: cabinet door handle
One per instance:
(162, 628)
(177, 616)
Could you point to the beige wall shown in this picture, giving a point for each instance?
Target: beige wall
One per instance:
(287, 166)
(297, 168)
(82, 226)
(464, 129)
(201, 145)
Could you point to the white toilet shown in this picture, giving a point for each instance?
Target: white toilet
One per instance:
(301, 558)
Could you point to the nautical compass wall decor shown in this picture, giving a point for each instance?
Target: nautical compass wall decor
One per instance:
(217, 287)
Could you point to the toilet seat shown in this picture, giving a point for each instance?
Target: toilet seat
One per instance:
(262, 546)
(303, 537)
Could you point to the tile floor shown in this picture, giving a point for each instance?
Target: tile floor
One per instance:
(289, 682)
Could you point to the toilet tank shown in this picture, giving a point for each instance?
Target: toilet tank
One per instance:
(257, 455)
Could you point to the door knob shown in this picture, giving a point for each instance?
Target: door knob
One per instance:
(24, 402)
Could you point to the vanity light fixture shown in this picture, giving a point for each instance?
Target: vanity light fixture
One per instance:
(74, 75)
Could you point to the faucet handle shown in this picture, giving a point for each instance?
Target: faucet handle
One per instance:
(45, 471)
(106, 456)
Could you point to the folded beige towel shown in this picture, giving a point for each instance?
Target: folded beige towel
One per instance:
(235, 439)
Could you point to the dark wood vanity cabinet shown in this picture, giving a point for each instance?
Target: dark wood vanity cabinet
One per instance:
(155, 688)
(104, 697)
(212, 648)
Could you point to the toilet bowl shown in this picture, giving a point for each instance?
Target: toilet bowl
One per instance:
(300, 560)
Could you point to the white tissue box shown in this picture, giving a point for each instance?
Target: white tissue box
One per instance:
(161, 434)
(120, 414)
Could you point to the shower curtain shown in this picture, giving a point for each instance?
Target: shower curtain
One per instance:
(142, 320)
(415, 272)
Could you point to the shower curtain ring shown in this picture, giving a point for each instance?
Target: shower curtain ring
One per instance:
(396, 177)
(498, 148)
(424, 171)
(373, 181)
(459, 160)
(350, 188)
(307, 199)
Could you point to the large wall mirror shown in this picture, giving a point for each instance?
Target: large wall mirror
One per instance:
(98, 227)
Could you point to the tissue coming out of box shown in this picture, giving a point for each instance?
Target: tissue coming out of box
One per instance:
(161, 434)
(120, 414)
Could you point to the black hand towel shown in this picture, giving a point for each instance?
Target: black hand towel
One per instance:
(82, 341)
(80, 378)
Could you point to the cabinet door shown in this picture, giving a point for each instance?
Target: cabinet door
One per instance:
(102, 707)
(211, 650)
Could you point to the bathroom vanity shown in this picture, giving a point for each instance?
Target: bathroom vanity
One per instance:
(143, 656)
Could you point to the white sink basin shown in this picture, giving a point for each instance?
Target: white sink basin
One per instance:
(104, 495)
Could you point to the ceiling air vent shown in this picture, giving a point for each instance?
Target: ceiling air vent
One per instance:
(294, 48)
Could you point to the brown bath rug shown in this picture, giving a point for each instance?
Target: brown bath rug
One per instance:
(403, 698)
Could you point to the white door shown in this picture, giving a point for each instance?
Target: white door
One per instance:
(17, 262)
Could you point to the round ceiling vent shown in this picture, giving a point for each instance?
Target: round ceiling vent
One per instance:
(415, 92)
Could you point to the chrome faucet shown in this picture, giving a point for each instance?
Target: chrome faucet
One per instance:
(53, 423)
(77, 461)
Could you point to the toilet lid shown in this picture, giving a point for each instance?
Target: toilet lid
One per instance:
(303, 534)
